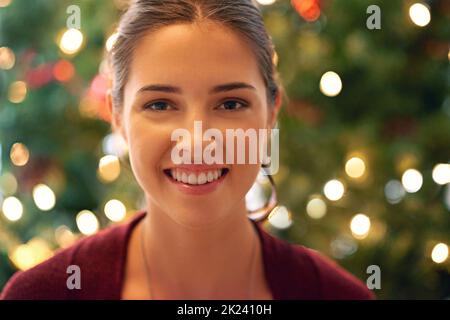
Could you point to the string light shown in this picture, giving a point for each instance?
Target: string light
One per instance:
(316, 208)
(71, 41)
(12, 209)
(441, 173)
(7, 58)
(412, 180)
(360, 226)
(44, 197)
(420, 14)
(439, 253)
(334, 190)
(109, 168)
(17, 92)
(19, 154)
(355, 167)
(115, 210)
(330, 84)
(87, 222)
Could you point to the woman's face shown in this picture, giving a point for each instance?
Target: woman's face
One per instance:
(194, 59)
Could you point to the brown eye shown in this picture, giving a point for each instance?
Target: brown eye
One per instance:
(158, 106)
(233, 105)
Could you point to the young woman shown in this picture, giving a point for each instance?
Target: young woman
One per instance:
(176, 62)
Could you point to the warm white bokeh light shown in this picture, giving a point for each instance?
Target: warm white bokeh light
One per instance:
(334, 190)
(420, 14)
(12, 208)
(26, 256)
(280, 218)
(266, 2)
(316, 208)
(7, 58)
(355, 167)
(412, 180)
(441, 173)
(330, 84)
(109, 168)
(111, 41)
(360, 226)
(17, 92)
(87, 222)
(19, 154)
(115, 210)
(71, 41)
(439, 253)
(44, 197)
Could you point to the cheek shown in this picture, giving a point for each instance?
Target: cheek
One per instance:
(147, 146)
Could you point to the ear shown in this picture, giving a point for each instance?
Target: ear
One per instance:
(116, 117)
(275, 110)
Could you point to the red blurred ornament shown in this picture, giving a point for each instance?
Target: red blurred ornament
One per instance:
(307, 9)
(63, 71)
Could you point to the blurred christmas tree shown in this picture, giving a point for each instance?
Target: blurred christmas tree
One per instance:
(364, 138)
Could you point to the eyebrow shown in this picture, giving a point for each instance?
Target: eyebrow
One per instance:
(217, 89)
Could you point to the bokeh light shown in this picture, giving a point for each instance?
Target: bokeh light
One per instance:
(280, 218)
(439, 253)
(316, 208)
(115, 210)
(7, 58)
(441, 173)
(71, 41)
(12, 208)
(109, 168)
(87, 222)
(334, 190)
(412, 180)
(420, 14)
(17, 92)
(44, 197)
(330, 84)
(355, 167)
(360, 226)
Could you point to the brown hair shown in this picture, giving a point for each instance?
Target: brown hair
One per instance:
(143, 16)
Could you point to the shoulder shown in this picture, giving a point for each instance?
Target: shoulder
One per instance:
(332, 282)
(98, 257)
(297, 272)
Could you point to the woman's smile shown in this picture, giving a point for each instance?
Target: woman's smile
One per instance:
(196, 179)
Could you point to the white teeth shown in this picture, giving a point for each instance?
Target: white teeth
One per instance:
(194, 179)
(184, 178)
(201, 178)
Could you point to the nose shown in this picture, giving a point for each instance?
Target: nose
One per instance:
(189, 138)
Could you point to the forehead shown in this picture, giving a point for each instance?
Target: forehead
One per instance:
(193, 55)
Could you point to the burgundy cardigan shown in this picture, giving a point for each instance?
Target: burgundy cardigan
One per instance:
(292, 271)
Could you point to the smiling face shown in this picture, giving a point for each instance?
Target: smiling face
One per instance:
(181, 74)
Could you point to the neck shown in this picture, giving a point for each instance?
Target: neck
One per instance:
(209, 261)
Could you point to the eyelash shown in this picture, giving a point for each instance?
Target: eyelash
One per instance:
(243, 104)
